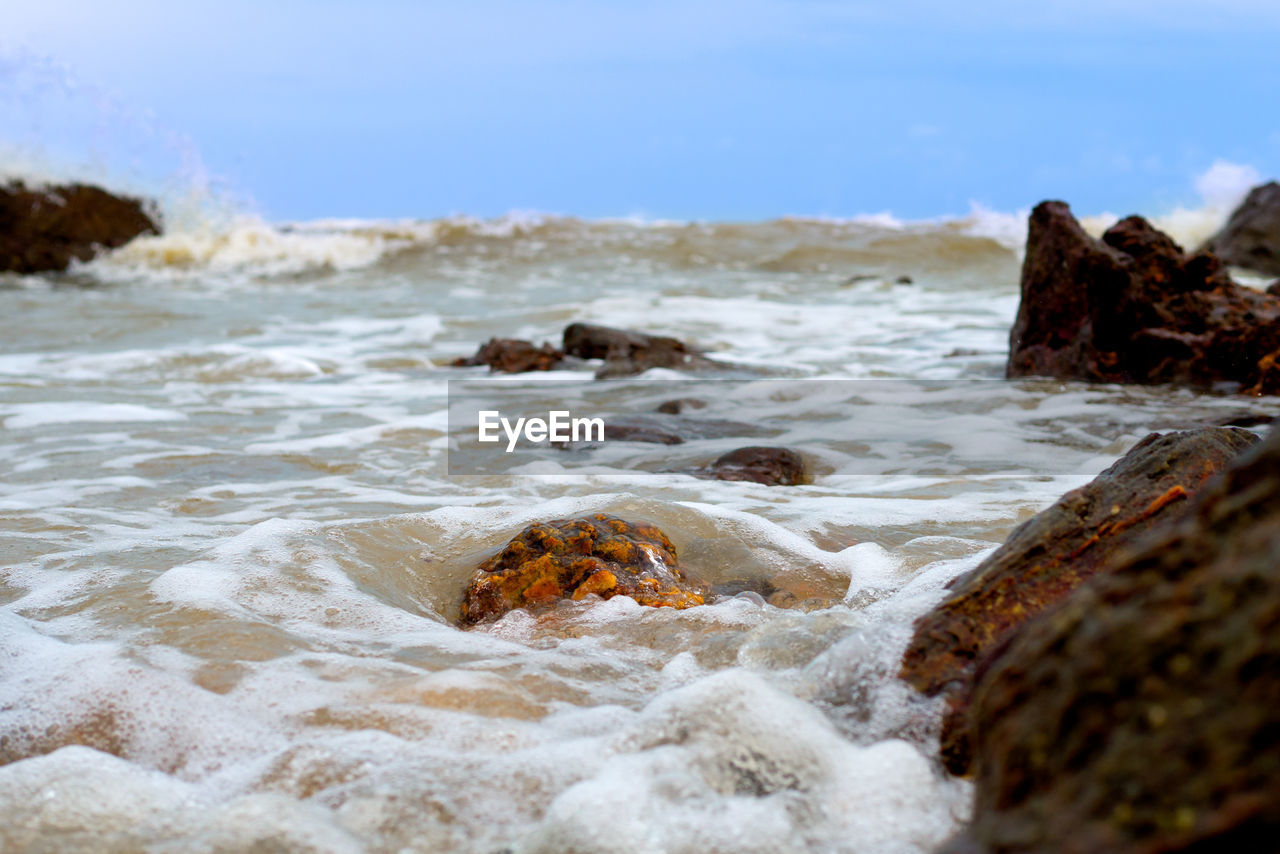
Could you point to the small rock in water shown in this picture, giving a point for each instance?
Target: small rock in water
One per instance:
(573, 558)
(512, 356)
(1050, 555)
(1133, 308)
(759, 464)
(680, 404)
(45, 229)
(626, 352)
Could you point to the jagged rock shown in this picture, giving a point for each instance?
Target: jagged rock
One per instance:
(1143, 714)
(1251, 237)
(44, 229)
(1050, 555)
(1133, 308)
(572, 558)
(512, 356)
(770, 466)
(626, 352)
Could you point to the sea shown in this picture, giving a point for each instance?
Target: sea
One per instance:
(233, 545)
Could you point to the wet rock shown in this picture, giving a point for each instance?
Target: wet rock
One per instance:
(1143, 715)
(513, 356)
(1134, 308)
(681, 404)
(572, 558)
(758, 464)
(626, 352)
(1050, 555)
(45, 229)
(1251, 236)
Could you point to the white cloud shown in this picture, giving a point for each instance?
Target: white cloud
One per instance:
(1224, 184)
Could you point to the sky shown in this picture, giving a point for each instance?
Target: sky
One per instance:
(718, 110)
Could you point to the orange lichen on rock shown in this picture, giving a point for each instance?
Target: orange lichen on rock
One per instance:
(573, 558)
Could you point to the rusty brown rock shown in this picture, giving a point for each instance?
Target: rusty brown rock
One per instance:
(512, 356)
(1143, 714)
(1134, 308)
(1050, 555)
(572, 558)
(45, 229)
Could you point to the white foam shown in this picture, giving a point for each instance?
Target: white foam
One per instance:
(25, 415)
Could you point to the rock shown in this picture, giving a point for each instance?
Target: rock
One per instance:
(572, 558)
(636, 430)
(1050, 555)
(1143, 715)
(1251, 237)
(1133, 308)
(512, 356)
(44, 229)
(680, 404)
(770, 466)
(626, 352)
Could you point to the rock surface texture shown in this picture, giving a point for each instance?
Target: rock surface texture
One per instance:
(44, 229)
(1049, 556)
(1143, 715)
(1134, 308)
(572, 558)
(1251, 237)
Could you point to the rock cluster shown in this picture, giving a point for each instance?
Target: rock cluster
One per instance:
(1134, 308)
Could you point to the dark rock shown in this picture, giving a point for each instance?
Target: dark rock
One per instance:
(903, 280)
(770, 466)
(572, 558)
(1274, 288)
(1251, 237)
(45, 229)
(680, 404)
(512, 356)
(626, 352)
(1133, 308)
(1050, 555)
(1143, 715)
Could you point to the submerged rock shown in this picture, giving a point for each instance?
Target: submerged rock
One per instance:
(759, 464)
(1050, 555)
(627, 352)
(45, 229)
(1143, 715)
(1251, 236)
(1134, 308)
(572, 558)
(512, 356)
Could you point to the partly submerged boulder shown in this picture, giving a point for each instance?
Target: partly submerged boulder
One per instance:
(1049, 556)
(44, 229)
(1143, 714)
(512, 356)
(1134, 308)
(573, 558)
(1251, 237)
(627, 352)
(759, 464)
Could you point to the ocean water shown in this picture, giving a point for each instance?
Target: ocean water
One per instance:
(231, 554)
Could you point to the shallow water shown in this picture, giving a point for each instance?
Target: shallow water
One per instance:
(232, 555)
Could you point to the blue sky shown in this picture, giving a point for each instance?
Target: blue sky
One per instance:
(711, 110)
